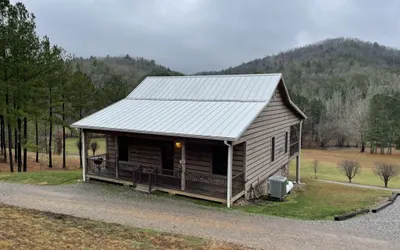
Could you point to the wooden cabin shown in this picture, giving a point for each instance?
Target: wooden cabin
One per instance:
(211, 137)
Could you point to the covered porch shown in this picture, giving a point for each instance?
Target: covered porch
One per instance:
(205, 169)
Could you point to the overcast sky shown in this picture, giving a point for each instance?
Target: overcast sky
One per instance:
(197, 35)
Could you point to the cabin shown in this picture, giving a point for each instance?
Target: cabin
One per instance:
(216, 137)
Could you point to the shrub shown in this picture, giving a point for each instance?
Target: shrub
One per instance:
(349, 168)
(386, 171)
(94, 146)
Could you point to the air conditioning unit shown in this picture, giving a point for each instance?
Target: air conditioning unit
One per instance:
(279, 186)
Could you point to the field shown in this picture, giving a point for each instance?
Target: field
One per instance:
(29, 229)
(329, 159)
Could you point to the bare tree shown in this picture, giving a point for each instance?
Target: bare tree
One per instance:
(386, 171)
(349, 168)
(315, 168)
(94, 146)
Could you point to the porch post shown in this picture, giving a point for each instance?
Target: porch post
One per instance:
(298, 155)
(229, 175)
(84, 154)
(183, 164)
(116, 157)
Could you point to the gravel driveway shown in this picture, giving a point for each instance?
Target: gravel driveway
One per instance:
(122, 205)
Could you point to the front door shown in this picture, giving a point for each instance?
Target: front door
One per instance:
(167, 158)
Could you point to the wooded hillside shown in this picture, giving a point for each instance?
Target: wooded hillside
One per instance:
(334, 82)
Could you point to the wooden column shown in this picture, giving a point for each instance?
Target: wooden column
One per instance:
(183, 165)
(84, 154)
(116, 157)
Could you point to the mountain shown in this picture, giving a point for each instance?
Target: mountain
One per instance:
(131, 69)
(333, 82)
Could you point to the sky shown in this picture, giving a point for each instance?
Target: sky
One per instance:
(202, 35)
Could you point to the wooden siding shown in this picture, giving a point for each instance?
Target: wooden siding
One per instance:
(198, 156)
(274, 121)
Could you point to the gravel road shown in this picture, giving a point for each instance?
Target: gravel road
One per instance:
(118, 204)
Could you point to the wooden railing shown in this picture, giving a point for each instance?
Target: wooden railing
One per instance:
(196, 182)
(96, 164)
(294, 148)
(237, 184)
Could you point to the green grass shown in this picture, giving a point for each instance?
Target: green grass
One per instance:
(72, 149)
(43, 177)
(319, 201)
(329, 171)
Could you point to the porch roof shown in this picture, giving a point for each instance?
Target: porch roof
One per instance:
(219, 120)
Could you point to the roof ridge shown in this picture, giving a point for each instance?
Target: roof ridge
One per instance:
(219, 75)
(190, 100)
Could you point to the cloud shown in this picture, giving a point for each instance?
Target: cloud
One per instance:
(197, 35)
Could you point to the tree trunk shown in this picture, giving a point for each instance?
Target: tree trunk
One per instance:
(1, 135)
(19, 148)
(9, 137)
(37, 140)
(15, 144)
(64, 165)
(25, 166)
(386, 184)
(349, 180)
(3, 138)
(50, 129)
(362, 147)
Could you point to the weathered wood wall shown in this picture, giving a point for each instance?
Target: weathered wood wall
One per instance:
(198, 156)
(274, 121)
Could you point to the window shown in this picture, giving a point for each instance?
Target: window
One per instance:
(286, 142)
(123, 148)
(272, 148)
(220, 160)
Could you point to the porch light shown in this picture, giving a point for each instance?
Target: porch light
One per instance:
(178, 144)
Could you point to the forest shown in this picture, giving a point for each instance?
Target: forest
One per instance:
(43, 88)
(349, 89)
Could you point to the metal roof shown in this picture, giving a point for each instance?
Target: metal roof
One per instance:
(213, 120)
(215, 107)
(258, 87)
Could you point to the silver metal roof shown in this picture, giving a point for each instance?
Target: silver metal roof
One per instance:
(214, 107)
(213, 120)
(258, 87)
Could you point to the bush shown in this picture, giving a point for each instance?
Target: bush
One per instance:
(386, 171)
(94, 146)
(349, 168)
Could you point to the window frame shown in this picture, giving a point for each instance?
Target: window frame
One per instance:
(273, 149)
(286, 141)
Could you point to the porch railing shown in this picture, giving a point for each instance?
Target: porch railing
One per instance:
(195, 182)
(294, 148)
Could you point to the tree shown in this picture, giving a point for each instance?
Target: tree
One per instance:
(94, 146)
(386, 172)
(315, 168)
(349, 168)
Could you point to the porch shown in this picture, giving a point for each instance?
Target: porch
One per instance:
(190, 167)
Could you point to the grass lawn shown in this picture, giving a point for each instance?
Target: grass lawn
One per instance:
(329, 159)
(72, 149)
(43, 177)
(317, 200)
(30, 229)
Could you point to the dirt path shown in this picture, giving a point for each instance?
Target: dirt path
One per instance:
(362, 186)
(122, 205)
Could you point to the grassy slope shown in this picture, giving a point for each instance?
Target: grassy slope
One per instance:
(29, 229)
(317, 200)
(329, 159)
(43, 177)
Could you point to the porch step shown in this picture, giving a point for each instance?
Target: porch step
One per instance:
(142, 188)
